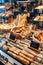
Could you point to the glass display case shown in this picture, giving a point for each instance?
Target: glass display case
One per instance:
(21, 32)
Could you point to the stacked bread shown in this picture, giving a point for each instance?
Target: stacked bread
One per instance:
(21, 20)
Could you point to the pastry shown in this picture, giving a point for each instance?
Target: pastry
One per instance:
(39, 36)
(39, 7)
(39, 18)
(21, 32)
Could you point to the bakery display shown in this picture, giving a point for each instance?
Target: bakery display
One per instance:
(21, 52)
(21, 32)
(20, 21)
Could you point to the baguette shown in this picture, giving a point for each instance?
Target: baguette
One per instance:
(27, 58)
(22, 51)
(27, 50)
(27, 54)
(19, 58)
